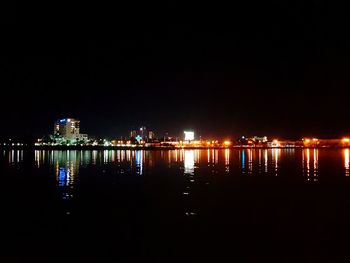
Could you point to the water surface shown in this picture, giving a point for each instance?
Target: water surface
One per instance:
(245, 205)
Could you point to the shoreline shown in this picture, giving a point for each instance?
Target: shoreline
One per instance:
(101, 147)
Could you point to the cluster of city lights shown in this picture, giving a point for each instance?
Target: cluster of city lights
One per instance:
(67, 133)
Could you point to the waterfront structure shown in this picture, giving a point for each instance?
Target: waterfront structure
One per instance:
(259, 140)
(315, 142)
(189, 136)
(67, 131)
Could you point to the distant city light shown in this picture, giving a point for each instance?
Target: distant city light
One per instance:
(189, 135)
(275, 143)
(67, 133)
(227, 143)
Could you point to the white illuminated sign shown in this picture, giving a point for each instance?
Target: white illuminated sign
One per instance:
(189, 135)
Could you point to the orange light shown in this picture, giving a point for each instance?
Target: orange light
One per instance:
(307, 140)
(315, 139)
(346, 140)
(275, 143)
(208, 143)
(227, 143)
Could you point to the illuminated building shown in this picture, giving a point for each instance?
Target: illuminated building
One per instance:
(143, 132)
(68, 131)
(275, 143)
(346, 141)
(259, 139)
(189, 135)
(311, 142)
(151, 135)
(133, 134)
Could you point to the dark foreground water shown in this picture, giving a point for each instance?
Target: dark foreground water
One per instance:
(182, 205)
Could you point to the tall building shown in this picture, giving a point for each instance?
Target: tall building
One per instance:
(151, 135)
(68, 130)
(143, 132)
(133, 134)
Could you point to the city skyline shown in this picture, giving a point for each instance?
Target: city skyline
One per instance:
(152, 133)
(66, 133)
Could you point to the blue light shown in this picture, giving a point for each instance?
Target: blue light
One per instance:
(63, 120)
(138, 158)
(62, 176)
(243, 159)
(138, 138)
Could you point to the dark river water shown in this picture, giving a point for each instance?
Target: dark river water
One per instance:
(281, 205)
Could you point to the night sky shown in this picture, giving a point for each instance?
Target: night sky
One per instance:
(276, 68)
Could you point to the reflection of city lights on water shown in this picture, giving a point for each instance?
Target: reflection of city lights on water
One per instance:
(94, 157)
(308, 162)
(227, 156)
(139, 162)
(189, 162)
(346, 161)
(250, 161)
(64, 176)
(315, 161)
(275, 156)
(197, 156)
(311, 161)
(128, 155)
(243, 161)
(105, 156)
(16, 156)
(182, 155)
(67, 166)
(227, 160)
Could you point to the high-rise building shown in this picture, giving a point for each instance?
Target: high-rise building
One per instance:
(151, 135)
(143, 132)
(133, 134)
(68, 130)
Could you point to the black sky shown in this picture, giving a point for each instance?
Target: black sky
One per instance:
(279, 68)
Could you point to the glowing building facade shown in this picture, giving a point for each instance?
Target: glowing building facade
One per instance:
(68, 131)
